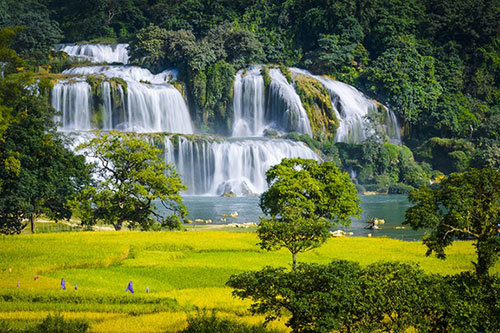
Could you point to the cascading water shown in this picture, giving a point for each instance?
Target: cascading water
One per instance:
(249, 103)
(229, 166)
(150, 103)
(98, 53)
(285, 107)
(281, 110)
(352, 109)
(73, 100)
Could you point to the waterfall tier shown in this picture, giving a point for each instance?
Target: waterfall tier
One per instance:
(234, 165)
(98, 53)
(254, 112)
(353, 109)
(137, 102)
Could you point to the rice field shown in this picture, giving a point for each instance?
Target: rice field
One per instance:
(184, 271)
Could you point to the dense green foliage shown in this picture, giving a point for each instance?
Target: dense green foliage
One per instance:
(130, 175)
(38, 174)
(389, 297)
(305, 198)
(211, 323)
(463, 206)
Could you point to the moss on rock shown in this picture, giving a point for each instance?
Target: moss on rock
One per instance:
(317, 103)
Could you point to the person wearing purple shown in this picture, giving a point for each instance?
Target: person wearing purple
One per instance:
(63, 284)
(130, 288)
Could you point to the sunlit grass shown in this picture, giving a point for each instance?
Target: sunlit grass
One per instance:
(184, 271)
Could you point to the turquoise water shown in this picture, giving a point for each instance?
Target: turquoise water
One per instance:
(391, 208)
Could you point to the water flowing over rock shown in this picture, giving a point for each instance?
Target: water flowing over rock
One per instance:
(98, 53)
(352, 108)
(132, 99)
(249, 103)
(254, 112)
(147, 103)
(215, 167)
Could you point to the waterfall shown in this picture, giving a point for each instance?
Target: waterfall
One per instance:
(285, 108)
(98, 53)
(74, 101)
(282, 110)
(249, 103)
(236, 165)
(150, 103)
(352, 108)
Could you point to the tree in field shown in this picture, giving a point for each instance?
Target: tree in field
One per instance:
(304, 200)
(38, 174)
(320, 298)
(129, 177)
(464, 206)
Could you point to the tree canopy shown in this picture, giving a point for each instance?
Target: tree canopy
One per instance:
(130, 180)
(305, 198)
(38, 173)
(463, 206)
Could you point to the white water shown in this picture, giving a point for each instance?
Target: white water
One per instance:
(282, 110)
(249, 103)
(98, 53)
(151, 104)
(238, 166)
(74, 101)
(352, 108)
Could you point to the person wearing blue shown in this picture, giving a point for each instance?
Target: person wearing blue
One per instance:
(130, 288)
(63, 284)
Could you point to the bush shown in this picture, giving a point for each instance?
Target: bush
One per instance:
(475, 306)
(210, 323)
(57, 324)
(400, 188)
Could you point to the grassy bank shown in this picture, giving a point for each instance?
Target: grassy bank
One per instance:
(184, 271)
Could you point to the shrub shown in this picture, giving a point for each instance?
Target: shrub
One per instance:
(400, 188)
(57, 324)
(210, 323)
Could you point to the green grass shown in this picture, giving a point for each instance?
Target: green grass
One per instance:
(184, 270)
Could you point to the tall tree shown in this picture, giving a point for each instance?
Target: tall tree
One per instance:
(464, 206)
(129, 177)
(38, 174)
(304, 200)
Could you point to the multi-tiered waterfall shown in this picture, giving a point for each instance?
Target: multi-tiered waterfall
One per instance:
(129, 98)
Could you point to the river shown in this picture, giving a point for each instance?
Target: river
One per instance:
(390, 207)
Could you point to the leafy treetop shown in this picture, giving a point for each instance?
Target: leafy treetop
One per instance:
(130, 177)
(464, 206)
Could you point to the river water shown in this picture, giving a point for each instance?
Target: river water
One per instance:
(391, 208)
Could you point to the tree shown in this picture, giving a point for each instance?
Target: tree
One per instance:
(304, 200)
(38, 174)
(320, 298)
(464, 206)
(343, 297)
(129, 177)
(397, 296)
(39, 33)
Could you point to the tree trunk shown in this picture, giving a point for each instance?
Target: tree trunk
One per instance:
(485, 257)
(118, 226)
(294, 261)
(32, 222)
